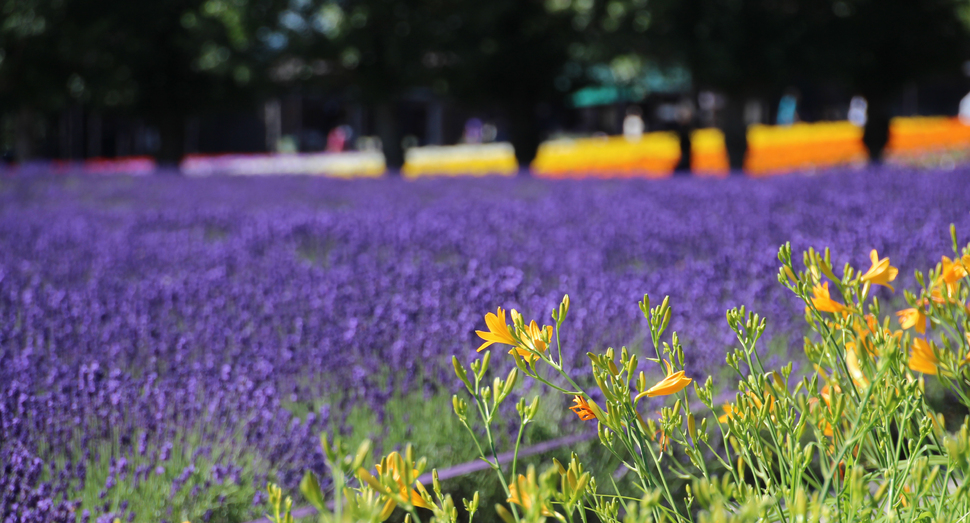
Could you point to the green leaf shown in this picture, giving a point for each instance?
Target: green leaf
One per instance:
(311, 491)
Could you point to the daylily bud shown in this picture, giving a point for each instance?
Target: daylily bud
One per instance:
(520, 362)
(485, 361)
(461, 408)
(461, 372)
(362, 450)
(533, 408)
(788, 272)
(827, 270)
(504, 514)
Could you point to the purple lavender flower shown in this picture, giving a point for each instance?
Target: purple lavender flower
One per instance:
(143, 309)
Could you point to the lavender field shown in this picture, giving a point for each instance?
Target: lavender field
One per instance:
(190, 338)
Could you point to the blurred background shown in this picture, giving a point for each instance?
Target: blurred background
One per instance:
(702, 85)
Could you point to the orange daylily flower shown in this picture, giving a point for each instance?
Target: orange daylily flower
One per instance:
(728, 413)
(498, 330)
(826, 428)
(823, 302)
(664, 440)
(953, 270)
(827, 392)
(881, 273)
(672, 384)
(913, 317)
(922, 359)
(865, 333)
(582, 409)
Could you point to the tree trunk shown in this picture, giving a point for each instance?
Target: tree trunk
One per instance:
(735, 133)
(524, 133)
(876, 133)
(390, 135)
(24, 135)
(171, 130)
(683, 166)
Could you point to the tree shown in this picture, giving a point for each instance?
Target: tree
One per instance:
(161, 60)
(503, 54)
(750, 49)
(743, 49)
(877, 47)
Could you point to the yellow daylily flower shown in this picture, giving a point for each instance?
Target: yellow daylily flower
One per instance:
(395, 464)
(922, 359)
(672, 384)
(522, 492)
(823, 302)
(913, 317)
(881, 273)
(583, 409)
(498, 330)
(529, 338)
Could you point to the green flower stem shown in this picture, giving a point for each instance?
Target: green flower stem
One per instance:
(414, 513)
(518, 440)
(487, 419)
